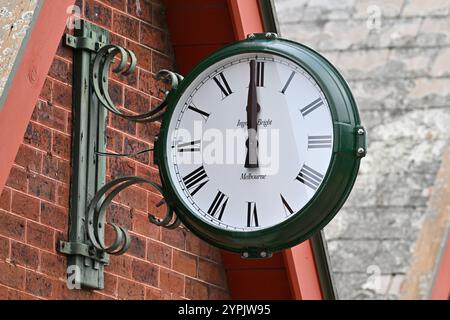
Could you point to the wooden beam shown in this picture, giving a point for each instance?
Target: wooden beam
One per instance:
(28, 80)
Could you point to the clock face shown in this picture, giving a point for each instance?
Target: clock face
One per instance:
(212, 135)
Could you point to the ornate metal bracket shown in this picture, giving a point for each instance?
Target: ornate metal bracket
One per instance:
(90, 196)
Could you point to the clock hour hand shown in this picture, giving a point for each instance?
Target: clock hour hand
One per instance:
(253, 109)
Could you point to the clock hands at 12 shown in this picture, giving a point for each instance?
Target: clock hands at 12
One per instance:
(253, 109)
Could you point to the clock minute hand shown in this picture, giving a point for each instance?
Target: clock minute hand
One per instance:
(253, 109)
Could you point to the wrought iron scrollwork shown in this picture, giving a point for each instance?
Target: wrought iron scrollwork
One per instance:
(96, 222)
(126, 66)
(96, 214)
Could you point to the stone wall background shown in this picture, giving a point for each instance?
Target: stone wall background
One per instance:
(395, 54)
(15, 19)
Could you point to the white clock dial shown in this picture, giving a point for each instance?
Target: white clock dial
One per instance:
(207, 148)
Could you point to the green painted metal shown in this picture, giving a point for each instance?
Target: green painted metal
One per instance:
(268, 14)
(88, 170)
(338, 181)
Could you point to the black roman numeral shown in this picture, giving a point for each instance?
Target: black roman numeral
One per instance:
(189, 146)
(310, 177)
(195, 180)
(283, 91)
(223, 85)
(287, 208)
(204, 114)
(311, 107)
(252, 215)
(260, 74)
(319, 142)
(218, 206)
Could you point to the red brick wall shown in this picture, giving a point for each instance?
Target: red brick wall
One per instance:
(161, 264)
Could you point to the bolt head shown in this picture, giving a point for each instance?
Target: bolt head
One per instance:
(271, 35)
(245, 255)
(361, 150)
(361, 131)
(251, 36)
(263, 254)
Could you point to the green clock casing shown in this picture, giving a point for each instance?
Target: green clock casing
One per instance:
(328, 129)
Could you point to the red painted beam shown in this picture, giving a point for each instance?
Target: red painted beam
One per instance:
(29, 79)
(441, 289)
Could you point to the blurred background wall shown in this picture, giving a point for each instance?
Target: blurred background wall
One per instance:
(395, 54)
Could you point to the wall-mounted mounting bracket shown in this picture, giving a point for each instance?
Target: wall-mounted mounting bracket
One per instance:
(90, 196)
(88, 172)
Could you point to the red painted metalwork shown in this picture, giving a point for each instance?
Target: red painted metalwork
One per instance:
(29, 79)
(441, 289)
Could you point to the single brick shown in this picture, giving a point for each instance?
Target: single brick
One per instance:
(114, 140)
(11, 275)
(56, 168)
(119, 167)
(26, 206)
(142, 226)
(137, 247)
(149, 85)
(17, 179)
(12, 226)
(119, 215)
(200, 248)
(148, 131)
(153, 38)
(159, 253)
(156, 294)
(133, 197)
(95, 11)
(196, 290)
(38, 136)
(62, 197)
(5, 199)
(51, 116)
(47, 89)
(137, 101)
(211, 272)
(120, 265)
(185, 263)
(38, 284)
(24, 255)
(175, 237)
(53, 265)
(115, 90)
(54, 216)
(40, 236)
(126, 26)
(143, 11)
(62, 95)
(161, 61)
(42, 187)
(61, 70)
(143, 55)
(130, 290)
(118, 4)
(29, 158)
(61, 145)
(145, 272)
(135, 146)
(110, 284)
(123, 124)
(171, 282)
(4, 248)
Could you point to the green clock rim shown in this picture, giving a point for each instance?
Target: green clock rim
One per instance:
(344, 161)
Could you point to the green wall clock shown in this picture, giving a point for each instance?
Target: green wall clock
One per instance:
(260, 146)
